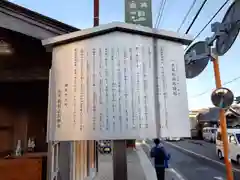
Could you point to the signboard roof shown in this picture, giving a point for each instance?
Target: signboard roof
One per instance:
(118, 26)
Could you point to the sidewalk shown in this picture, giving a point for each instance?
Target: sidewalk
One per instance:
(139, 167)
(135, 171)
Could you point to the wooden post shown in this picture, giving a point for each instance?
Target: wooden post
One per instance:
(119, 160)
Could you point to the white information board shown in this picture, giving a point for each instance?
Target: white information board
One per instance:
(104, 88)
(172, 90)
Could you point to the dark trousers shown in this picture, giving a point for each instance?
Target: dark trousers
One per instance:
(160, 173)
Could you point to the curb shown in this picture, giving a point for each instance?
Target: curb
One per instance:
(203, 159)
(147, 167)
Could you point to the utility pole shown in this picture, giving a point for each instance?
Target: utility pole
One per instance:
(96, 13)
(93, 145)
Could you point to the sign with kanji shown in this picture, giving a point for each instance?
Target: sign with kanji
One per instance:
(138, 12)
(105, 89)
(102, 89)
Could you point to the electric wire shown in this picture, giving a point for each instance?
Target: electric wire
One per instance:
(185, 17)
(196, 16)
(200, 32)
(160, 13)
(228, 82)
(161, 16)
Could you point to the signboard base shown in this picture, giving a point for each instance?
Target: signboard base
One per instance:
(119, 160)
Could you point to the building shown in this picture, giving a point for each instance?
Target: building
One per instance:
(205, 117)
(24, 71)
(193, 116)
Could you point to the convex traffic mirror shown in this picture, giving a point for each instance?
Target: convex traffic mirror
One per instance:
(222, 98)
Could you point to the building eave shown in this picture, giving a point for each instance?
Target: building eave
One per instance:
(25, 21)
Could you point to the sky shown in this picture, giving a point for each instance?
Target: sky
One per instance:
(79, 13)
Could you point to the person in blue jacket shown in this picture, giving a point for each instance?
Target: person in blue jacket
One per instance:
(161, 157)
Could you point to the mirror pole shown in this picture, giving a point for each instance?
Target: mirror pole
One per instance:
(222, 121)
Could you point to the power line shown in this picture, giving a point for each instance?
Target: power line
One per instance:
(164, 3)
(228, 82)
(196, 16)
(160, 13)
(200, 32)
(185, 17)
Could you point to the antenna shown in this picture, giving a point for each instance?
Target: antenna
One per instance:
(228, 30)
(196, 59)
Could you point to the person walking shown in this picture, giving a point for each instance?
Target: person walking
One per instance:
(161, 157)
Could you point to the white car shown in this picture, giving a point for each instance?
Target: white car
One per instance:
(209, 134)
(234, 144)
(173, 139)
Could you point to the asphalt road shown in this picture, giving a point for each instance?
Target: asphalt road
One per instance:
(192, 168)
(203, 148)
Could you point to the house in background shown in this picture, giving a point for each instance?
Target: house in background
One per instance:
(24, 76)
(193, 117)
(233, 116)
(237, 99)
(209, 118)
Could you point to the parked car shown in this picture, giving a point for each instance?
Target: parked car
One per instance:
(173, 139)
(209, 134)
(105, 146)
(234, 144)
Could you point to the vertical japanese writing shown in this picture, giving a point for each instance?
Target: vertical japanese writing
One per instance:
(66, 95)
(82, 87)
(164, 85)
(133, 107)
(174, 79)
(75, 85)
(145, 86)
(106, 86)
(87, 84)
(94, 89)
(149, 67)
(119, 89)
(149, 57)
(125, 87)
(178, 81)
(101, 87)
(114, 88)
(59, 108)
(138, 64)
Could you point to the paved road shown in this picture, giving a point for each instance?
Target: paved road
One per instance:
(202, 147)
(207, 150)
(193, 168)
